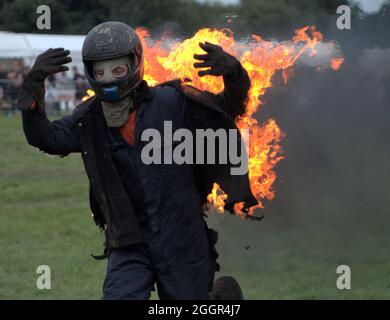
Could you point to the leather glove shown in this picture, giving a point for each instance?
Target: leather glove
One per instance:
(33, 88)
(218, 62)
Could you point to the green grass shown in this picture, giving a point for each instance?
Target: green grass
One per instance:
(294, 252)
(45, 220)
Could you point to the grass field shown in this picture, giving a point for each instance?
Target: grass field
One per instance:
(293, 252)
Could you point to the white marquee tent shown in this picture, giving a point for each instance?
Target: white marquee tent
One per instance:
(27, 45)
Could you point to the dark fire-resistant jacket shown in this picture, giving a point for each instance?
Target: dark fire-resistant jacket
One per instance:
(85, 132)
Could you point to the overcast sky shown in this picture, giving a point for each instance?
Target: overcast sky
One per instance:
(370, 5)
(367, 5)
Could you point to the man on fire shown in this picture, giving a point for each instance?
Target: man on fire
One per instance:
(152, 214)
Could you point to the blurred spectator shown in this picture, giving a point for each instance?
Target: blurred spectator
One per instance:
(51, 97)
(76, 74)
(66, 91)
(63, 80)
(15, 80)
(81, 89)
(2, 98)
(80, 83)
(25, 71)
(17, 66)
(3, 72)
(3, 81)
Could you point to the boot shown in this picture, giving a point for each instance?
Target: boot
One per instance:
(226, 288)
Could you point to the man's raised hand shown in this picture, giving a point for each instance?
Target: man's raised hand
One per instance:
(218, 62)
(49, 62)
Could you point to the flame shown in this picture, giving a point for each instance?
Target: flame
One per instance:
(167, 59)
(90, 94)
(217, 198)
(336, 63)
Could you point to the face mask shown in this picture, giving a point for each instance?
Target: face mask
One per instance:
(112, 69)
(116, 113)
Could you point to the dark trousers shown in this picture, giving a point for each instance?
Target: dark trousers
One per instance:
(132, 273)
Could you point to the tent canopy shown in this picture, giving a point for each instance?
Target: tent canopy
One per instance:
(28, 45)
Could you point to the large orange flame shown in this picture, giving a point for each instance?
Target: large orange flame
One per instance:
(168, 59)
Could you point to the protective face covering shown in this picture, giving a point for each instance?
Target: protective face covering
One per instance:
(116, 113)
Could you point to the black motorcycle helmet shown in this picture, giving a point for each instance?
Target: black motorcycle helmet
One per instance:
(111, 40)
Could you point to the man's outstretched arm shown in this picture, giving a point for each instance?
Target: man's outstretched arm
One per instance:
(235, 77)
(57, 137)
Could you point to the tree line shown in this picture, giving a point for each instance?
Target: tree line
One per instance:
(276, 18)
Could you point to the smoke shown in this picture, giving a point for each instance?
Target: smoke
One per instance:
(331, 203)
